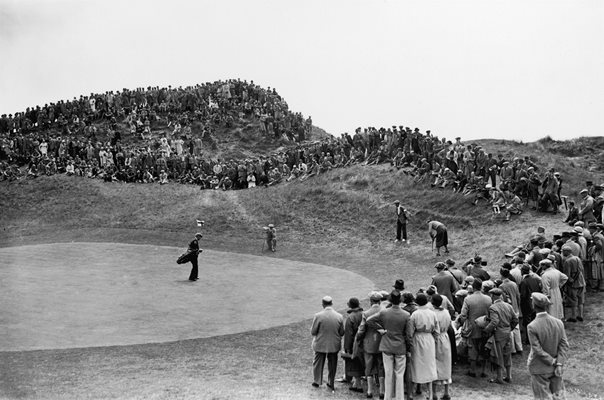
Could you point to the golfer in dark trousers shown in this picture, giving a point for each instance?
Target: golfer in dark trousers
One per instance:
(327, 331)
(401, 222)
(194, 251)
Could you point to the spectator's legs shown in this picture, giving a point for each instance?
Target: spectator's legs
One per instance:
(318, 365)
(389, 375)
(332, 365)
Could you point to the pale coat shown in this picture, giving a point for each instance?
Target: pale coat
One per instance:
(552, 280)
(327, 331)
(443, 345)
(423, 329)
(548, 343)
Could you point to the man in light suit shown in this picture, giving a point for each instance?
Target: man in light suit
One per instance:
(327, 331)
(474, 306)
(549, 348)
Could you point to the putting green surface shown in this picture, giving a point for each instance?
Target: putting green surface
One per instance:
(67, 295)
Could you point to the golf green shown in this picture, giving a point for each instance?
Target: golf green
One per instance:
(67, 295)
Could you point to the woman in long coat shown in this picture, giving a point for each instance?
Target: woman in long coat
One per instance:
(552, 280)
(423, 329)
(353, 363)
(443, 346)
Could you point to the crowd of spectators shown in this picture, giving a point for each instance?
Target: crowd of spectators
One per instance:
(132, 135)
(474, 317)
(63, 138)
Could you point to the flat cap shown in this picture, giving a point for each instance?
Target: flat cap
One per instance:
(540, 300)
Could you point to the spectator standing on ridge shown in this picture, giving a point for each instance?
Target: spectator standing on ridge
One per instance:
(327, 331)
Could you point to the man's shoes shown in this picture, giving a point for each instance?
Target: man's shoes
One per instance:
(358, 390)
(342, 380)
(571, 320)
(508, 380)
(315, 384)
(404, 240)
(580, 319)
(396, 240)
(381, 395)
(329, 385)
(369, 395)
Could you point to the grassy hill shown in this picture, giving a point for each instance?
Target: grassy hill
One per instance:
(343, 218)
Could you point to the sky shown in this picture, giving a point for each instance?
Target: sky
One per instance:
(509, 69)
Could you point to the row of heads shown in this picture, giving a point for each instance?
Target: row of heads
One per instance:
(394, 297)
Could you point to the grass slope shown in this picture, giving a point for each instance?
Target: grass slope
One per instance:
(342, 218)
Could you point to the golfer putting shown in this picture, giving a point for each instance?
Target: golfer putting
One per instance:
(271, 238)
(438, 234)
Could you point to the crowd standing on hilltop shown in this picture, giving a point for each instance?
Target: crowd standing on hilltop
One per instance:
(64, 137)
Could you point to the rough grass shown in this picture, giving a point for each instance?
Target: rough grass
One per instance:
(343, 218)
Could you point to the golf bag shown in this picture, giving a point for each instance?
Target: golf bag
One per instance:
(184, 258)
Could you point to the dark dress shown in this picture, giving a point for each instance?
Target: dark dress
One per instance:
(353, 367)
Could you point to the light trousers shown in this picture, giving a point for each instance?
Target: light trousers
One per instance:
(394, 370)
